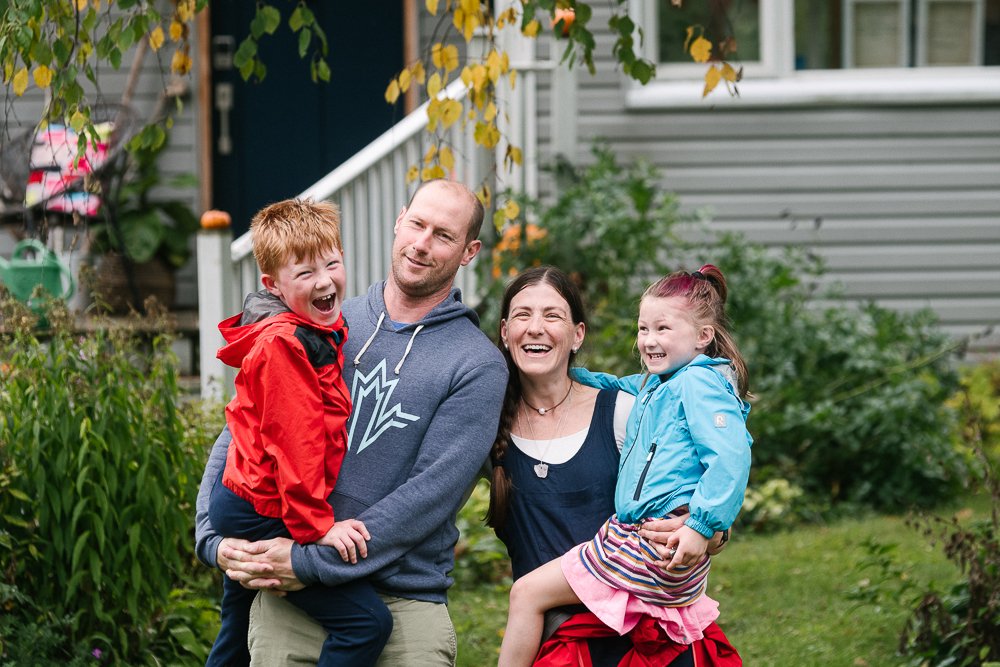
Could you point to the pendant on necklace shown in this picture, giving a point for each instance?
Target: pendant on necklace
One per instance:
(542, 411)
(541, 470)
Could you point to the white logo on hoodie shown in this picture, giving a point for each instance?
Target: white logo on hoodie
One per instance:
(376, 387)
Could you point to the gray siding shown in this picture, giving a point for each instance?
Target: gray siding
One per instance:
(903, 202)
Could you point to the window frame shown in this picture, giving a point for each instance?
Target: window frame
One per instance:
(923, 30)
(774, 81)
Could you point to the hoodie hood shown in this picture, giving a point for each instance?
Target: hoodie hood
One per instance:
(451, 308)
(260, 305)
(261, 311)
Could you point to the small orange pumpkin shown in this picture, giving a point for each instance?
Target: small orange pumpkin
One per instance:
(215, 219)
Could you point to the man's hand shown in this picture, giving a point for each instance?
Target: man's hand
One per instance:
(349, 537)
(259, 565)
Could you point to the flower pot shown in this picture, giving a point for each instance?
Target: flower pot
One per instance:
(110, 286)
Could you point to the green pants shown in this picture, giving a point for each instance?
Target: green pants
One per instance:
(281, 635)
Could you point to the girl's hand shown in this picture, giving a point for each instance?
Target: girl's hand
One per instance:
(349, 537)
(689, 548)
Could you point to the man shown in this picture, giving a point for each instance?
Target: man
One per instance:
(426, 387)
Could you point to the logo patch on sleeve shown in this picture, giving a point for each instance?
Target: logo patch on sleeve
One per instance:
(720, 420)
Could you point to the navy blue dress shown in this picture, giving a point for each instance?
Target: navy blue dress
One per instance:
(548, 517)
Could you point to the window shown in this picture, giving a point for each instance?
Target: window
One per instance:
(842, 34)
(739, 20)
(825, 51)
(837, 34)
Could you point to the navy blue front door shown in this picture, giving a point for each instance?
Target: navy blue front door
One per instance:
(285, 133)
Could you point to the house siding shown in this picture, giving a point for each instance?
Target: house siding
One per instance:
(902, 202)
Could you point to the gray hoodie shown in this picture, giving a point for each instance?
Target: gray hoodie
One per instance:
(426, 400)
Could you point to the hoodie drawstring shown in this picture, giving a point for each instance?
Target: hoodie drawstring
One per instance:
(409, 346)
(371, 339)
(378, 325)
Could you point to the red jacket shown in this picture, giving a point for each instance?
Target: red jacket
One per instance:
(567, 647)
(288, 418)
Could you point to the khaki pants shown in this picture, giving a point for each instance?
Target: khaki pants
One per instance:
(281, 635)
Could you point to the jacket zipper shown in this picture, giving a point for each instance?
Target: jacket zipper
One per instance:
(642, 477)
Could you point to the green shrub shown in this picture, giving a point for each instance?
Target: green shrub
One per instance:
(771, 503)
(479, 556)
(961, 626)
(850, 401)
(978, 405)
(98, 476)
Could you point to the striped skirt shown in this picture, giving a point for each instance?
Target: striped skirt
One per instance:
(618, 557)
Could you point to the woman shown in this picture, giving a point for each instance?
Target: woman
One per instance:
(555, 461)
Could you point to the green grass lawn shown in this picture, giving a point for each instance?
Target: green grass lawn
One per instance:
(784, 597)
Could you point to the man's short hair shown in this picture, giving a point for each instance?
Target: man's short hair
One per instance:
(478, 212)
(292, 230)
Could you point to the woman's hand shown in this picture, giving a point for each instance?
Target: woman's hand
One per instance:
(263, 565)
(688, 548)
(349, 537)
(658, 532)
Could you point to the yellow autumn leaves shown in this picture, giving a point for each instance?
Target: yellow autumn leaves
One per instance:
(42, 76)
(479, 79)
(701, 51)
(44, 60)
(180, 62)
(445, 162)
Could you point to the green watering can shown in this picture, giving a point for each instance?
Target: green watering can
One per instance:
(21, 275)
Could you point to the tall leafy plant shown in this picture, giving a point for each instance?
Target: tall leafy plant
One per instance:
(97, 482)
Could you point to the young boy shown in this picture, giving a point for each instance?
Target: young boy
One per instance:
(288, 425)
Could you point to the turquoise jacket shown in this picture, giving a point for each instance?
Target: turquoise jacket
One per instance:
(686, 443)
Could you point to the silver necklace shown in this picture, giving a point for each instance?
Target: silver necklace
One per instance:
(542, 468)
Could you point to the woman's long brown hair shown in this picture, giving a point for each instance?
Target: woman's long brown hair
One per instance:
(501, 488)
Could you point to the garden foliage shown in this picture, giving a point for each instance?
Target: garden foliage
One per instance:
(962, 626)
(99, 467)
(849, 400)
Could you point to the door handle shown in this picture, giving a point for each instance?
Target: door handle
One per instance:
(224, 104)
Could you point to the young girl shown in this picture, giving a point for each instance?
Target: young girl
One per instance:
(686, 452)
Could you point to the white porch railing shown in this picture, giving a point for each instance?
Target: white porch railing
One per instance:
(370, 189)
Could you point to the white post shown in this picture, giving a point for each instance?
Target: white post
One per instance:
(518, 107)
(564, 110)
(215, 286)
